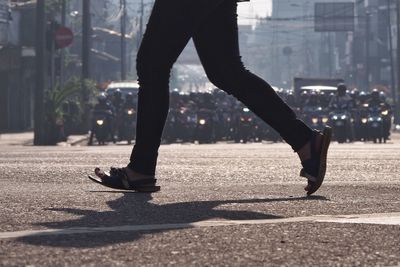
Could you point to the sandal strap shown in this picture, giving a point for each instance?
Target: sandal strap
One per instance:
(142, 182)
(121, 174)
(313, 144)
(117, 171)
(311, 167)
(312, 164)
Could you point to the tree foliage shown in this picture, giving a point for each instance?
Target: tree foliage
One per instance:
(53, 7)
(76, 93)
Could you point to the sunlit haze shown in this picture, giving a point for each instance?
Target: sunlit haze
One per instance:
(255, 8)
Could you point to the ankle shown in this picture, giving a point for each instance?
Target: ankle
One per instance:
(304, 153)
(132, 174)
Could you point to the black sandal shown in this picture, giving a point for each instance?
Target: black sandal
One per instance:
(314, 169)
(118, 179)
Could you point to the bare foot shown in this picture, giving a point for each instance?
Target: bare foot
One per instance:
(135, 176)
(305, 152)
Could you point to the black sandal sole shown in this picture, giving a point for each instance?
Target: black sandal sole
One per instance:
(140, 189)
(316, 182)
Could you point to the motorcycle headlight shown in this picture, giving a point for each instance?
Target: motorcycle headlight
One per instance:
(364, 120)
(314, 120)
(130, 111)
(385, 112)
(100, 122)
(325, 120)
(343, 117)
(202, 121)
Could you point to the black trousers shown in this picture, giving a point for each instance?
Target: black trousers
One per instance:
(213, 26)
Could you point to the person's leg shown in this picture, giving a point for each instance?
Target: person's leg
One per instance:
(217, 44)
(170, 27)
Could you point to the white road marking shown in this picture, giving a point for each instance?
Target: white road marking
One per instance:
(375, 218)
(384, 219)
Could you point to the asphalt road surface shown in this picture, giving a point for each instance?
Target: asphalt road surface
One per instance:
(219, 205)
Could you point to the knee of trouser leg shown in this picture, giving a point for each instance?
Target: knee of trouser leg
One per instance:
(152, 71)
(143, 66)
(230, 79)
(218, 80)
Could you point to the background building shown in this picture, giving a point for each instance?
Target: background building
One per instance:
(17, 64)
(291, 46)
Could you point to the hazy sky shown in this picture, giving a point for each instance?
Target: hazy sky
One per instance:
(254, 8)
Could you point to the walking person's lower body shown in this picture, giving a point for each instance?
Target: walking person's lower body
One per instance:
(213, 26)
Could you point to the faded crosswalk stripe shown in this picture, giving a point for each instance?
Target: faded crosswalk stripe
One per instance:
(375, 218)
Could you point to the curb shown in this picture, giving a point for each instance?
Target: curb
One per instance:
(73, 142)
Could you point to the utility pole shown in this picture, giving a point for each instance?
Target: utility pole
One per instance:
(307, 58)
(123, 40)
(141, 24)
(367, 50)
(86, 47)
(63, 13)
(330, 52)
(52, 27)
(62, 52)
(86, 36)
(397, 108)
(270, 72)
(392, 76)
(40, 49)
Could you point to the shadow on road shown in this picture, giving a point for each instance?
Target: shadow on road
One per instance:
(136, 209)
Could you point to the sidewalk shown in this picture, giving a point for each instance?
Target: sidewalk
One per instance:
(26, 139)
(15, 139)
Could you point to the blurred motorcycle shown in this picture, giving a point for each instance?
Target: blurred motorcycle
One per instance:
(128, 128)
(342, 124)
(245, 126)
(205, 129)
(375, 125)
(102, 127)
(361, 123)
(387, 122)
(316, 118)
